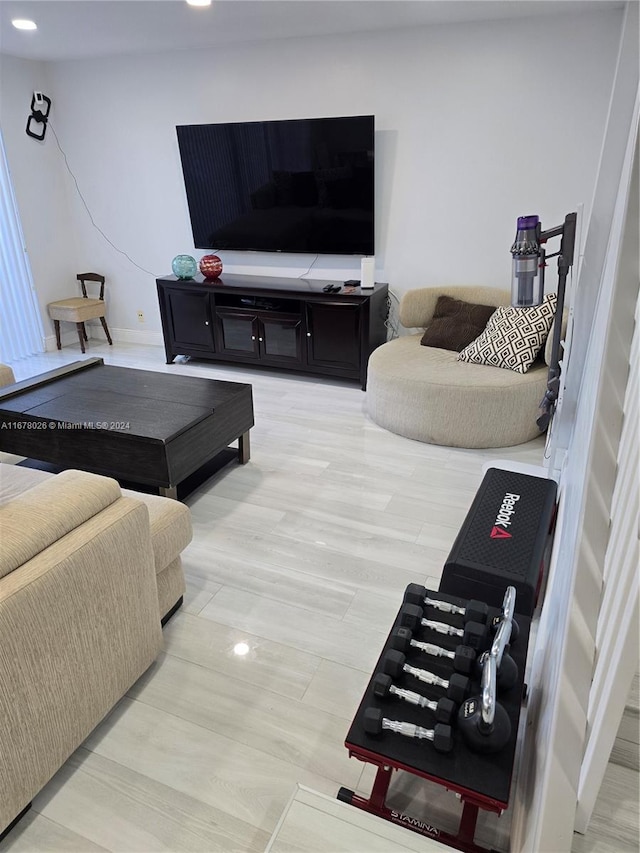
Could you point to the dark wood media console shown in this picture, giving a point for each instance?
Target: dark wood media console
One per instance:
(274, 322)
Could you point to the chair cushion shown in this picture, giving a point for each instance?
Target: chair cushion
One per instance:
(76, 309)
(513, 336)
(6, 375)
(456, 323)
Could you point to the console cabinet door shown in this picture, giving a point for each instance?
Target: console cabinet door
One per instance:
(238, 333)
(333, 335)
(280, 339)
(190, 320)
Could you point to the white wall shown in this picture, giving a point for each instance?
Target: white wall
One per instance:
(476, 124)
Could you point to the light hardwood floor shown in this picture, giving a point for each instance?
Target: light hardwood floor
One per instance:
(303, 555)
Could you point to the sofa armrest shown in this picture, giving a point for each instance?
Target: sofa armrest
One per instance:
(417, 306)
(38, 517)
(79, 623)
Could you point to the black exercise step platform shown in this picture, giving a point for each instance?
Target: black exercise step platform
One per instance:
(503, 539)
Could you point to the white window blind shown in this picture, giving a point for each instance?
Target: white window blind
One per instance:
(21, 332)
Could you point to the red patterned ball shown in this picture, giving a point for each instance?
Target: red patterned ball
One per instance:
(210, 266)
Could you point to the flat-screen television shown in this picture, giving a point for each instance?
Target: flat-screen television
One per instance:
(301, 185)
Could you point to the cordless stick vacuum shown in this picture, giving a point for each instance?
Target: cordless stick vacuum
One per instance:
(529, 261)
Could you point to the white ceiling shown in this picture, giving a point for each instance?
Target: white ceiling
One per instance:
(71, 29)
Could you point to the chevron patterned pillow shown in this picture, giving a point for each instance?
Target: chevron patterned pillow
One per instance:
(513, 337)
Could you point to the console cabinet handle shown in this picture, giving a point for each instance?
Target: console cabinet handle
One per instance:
(308, 334)
(206, 322)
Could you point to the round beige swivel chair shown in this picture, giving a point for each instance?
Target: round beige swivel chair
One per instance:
(425, 393)
(79, 309)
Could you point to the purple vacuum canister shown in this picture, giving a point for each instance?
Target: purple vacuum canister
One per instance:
(525, 253)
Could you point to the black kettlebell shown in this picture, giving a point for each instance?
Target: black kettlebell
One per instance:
(507, 673)
(482, 721)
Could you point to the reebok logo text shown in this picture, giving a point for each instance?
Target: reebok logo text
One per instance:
(503, 518)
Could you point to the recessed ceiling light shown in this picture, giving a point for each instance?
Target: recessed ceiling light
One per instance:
(24, 24)
(199, 2)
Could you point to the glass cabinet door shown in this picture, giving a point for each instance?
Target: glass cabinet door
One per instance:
(238, 333)
(280, 339)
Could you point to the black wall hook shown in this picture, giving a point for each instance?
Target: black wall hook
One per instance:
(39, 115)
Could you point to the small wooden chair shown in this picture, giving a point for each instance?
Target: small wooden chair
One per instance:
(79, 309)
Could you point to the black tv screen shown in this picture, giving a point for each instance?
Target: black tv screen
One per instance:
(302, 185)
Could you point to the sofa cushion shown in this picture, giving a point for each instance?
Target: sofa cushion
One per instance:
(456, 323)
(16, 479)
(170, 523)
(513, 336)
(37, 518)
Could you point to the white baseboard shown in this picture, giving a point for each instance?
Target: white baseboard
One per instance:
(66, 338)
(135, 336)
(125, 336)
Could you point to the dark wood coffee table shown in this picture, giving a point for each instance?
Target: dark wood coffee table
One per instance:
(134, 425)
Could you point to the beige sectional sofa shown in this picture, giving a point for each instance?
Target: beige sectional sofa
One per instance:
(87, 572)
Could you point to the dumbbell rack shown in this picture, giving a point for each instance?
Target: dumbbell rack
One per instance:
(482, 781)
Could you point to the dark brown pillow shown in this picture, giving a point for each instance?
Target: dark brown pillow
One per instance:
(456, 324)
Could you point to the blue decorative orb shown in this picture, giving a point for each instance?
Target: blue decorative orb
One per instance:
(184, 266)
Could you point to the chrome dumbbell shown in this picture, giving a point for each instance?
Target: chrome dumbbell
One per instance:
(462, 658)
(440, 735)
(443, 710)
(473, 634)
(473, 611)
(457, 686)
